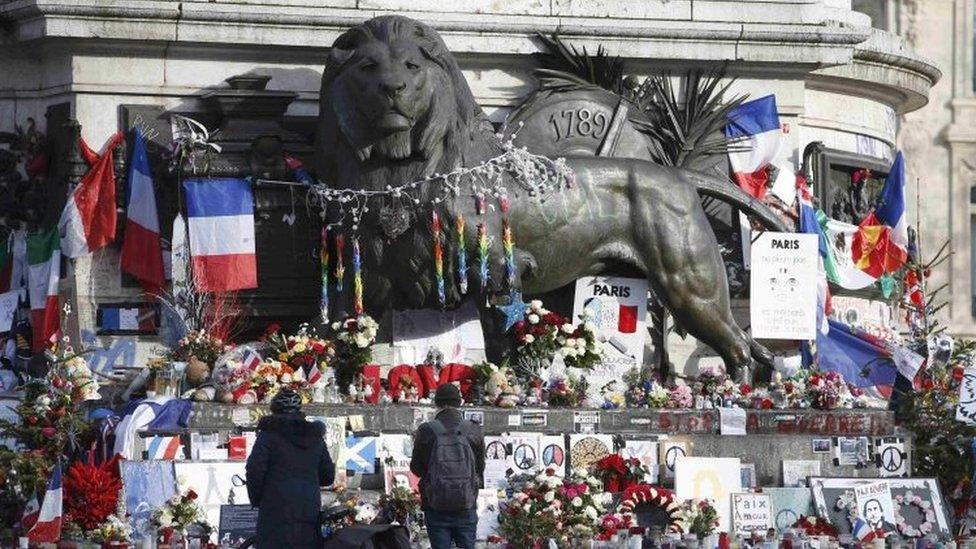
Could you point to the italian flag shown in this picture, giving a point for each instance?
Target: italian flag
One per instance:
(43, 269)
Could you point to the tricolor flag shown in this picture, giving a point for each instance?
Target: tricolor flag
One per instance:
(298, 169)
(88, 220)
(755, 127)
(881, 243)
(841, 267)
(252, 360)
(48, 526)
(165, 448)
(44, 265)
(865, 361)
(220, 215)
(126, 319)
(809, 225)
(863, 532)
(142, 252)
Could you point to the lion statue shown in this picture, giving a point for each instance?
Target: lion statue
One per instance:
(395, 108)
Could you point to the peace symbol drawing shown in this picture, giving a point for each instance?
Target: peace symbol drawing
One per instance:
(672, 455)
(495, 450)
(891, 459)
(786, 518)
(524, 456)
(553, 455)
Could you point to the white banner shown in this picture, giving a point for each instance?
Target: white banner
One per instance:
(619, 309)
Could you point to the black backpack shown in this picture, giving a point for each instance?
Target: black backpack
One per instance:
(450, 483)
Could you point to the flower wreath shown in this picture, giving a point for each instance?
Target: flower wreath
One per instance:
(925, 507)
(654, 496)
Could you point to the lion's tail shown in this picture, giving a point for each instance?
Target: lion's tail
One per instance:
(714, 187)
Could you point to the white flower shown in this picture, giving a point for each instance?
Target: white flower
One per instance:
(591, 512)
(286, 378)
(550, 496)
(535, 304)
(570, 342)
(577, 502)
(336, 326)
(533, 319)
(361, 340)
(568, 328)
(587, 314)
(527, 507)
(529, 338)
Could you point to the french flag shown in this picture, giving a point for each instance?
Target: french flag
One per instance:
(754, 126)
(220, 215)
(865, 361)
(47, 529)
(88, 220)
(142, 252)
(165, 448)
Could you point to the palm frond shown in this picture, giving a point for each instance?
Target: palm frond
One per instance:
(683, 133)
(566, 67)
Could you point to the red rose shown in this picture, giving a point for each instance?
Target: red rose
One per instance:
(957, 373)
(49, 432)
(767, 404)
(928, 385)
(191, 495)
(745, 389)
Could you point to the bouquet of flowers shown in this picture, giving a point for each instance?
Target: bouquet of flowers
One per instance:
(827, 391)
(680, 396)
(814, 526)
(200, 345)
(304, 350)
(401, 506)
(699, 517)
(178, 513)
(91, 494)
(789, 393)
(613, 397)
(547, 507)
(542, 334)
(564, 391)
(72, 375)
(619, 473)
(353, 338)
(114, 529)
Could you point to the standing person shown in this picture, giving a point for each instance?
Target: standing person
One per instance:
(449, 458)
(288, 464)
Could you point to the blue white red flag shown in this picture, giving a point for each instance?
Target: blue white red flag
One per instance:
(865, 361)
(862, 531)
(47, 529)
(142, 251)
(755, 125)
(810, 225)
(220, 215)
(165, 448)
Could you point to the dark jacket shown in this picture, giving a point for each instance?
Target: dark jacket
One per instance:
(423, 443)
(287, 465)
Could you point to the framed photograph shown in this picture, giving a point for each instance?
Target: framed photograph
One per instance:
(821, 445)
(833, 497)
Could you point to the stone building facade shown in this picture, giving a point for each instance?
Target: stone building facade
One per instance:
(837, 79)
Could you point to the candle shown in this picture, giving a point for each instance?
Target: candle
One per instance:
(340, 244)
(462, 258)
(438, 257)
(357, 278)
(324, 265)
(483, 254)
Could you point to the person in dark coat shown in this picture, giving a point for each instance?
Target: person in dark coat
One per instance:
(288, 464)
(447, 527)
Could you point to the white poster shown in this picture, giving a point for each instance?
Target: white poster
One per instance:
(496, 462)
(213, 482)
(751, 513)
(619, 310)
(552, 453)
(783, 286)
(796, 471)
(524, 455)
(646, 451)
(453, 333)
(875, 506)
(715, 479)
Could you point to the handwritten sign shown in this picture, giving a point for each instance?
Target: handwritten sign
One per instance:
(751, 513)
(966, 411)
(783, 286)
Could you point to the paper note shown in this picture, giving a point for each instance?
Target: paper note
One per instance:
(733, 421)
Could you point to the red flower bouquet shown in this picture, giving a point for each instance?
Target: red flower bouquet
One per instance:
(619, 473)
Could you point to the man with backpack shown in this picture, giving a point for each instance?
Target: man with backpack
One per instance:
(449, 458)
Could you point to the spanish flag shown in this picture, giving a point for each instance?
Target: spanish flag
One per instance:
(881, 242)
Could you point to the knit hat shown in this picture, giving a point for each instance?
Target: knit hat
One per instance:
(286, 401)
(447, 395)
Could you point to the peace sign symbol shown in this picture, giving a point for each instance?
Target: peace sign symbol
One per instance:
(891, 459)
(495, 450)
(786, 518)
(672, 455)
(553, 455)
(524, 456)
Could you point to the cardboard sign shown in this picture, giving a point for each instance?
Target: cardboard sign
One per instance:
(619, 312)
(875, 506)
(890, 457)
(783, 286)
(751, 513)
